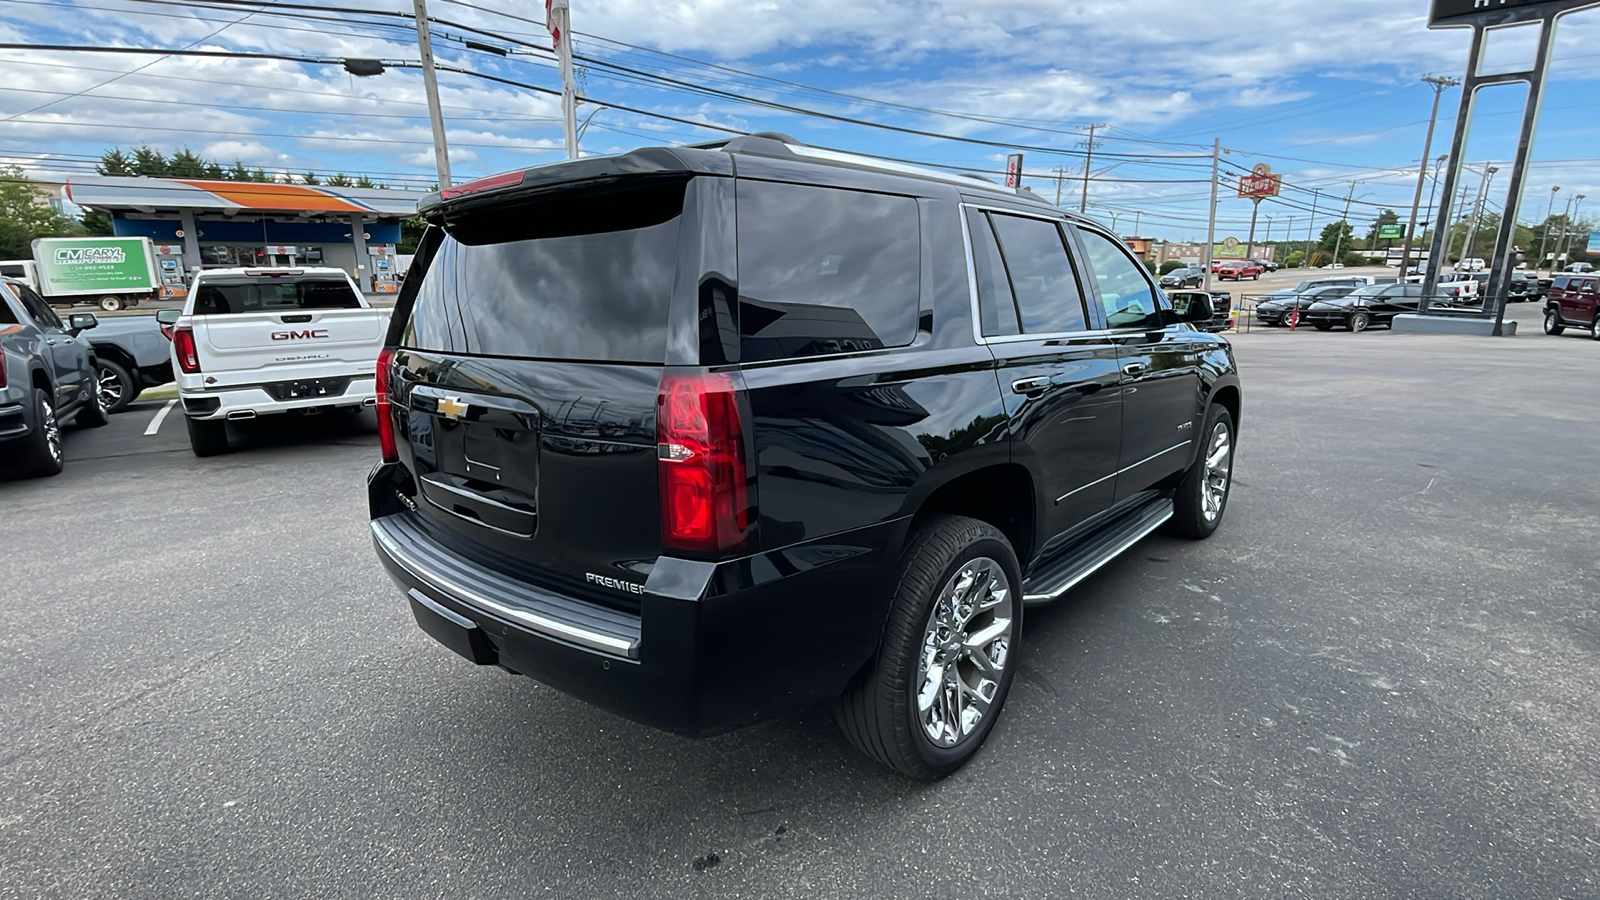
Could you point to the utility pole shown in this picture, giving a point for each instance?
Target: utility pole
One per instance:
(1477, 213)
(1061, 176)
(1138, 214)
(1569, 231)
(1439, 84)
(1089, 145)
(430, 84)
(1211, 228)
(558, 18)
(1561, 236)
(1433, 192)
(1338, 243)
(1544, 231)
(1268, 239)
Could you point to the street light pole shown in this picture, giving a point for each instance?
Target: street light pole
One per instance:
(1544, 232)
(430, 85)
(1468, 246)
(1311, 225)
(1439, 84)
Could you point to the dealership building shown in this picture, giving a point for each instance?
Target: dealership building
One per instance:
(196, 222)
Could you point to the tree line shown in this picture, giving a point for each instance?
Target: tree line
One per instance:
(149, 162)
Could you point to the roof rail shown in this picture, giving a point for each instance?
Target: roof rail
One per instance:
(873, 162)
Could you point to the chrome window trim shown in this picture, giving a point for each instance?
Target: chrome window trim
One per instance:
(972, 283)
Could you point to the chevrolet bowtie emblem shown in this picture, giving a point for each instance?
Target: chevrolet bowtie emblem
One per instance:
(452, 407)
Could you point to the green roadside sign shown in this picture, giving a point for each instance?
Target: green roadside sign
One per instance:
(1391, 232)
(90, 265)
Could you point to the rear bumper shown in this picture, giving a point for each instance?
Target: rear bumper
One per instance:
(16, 417)
(249, 402)
(713, 645)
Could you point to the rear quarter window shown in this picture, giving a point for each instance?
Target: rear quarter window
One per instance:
(825, 271)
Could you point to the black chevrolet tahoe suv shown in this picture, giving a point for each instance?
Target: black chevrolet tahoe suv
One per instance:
(705, 436)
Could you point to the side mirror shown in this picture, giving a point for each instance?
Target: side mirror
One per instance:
(1193, 307)
(168, 316)
(82, 321)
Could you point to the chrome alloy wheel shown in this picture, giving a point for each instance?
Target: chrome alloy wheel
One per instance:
(52, 430)
(965, 649)
(110, 388)
(1219, 469)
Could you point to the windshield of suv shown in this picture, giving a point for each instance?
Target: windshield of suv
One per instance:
(246, 294)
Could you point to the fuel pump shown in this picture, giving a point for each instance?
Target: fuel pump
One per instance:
(385, 277)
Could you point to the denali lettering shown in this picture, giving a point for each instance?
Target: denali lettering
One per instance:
(614, 584)
(299, 335)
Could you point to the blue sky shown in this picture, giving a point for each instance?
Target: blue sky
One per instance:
(1325, 93)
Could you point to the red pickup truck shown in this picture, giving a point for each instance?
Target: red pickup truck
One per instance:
(1239, 270)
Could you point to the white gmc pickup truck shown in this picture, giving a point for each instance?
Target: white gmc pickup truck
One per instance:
(256, 342)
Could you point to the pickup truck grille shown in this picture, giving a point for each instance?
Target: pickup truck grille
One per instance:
(307, 387)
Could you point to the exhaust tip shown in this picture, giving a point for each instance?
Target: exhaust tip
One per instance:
(238, 414)
(370, 402)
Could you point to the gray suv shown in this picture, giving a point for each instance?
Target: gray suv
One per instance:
(47, 376)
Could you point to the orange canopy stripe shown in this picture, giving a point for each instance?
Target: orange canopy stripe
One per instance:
(250, 195)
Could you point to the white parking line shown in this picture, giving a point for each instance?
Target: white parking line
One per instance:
(155, 424)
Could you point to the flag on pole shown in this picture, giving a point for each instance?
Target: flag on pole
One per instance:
(551, 22)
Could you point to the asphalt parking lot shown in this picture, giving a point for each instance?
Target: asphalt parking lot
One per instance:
(1377, 680)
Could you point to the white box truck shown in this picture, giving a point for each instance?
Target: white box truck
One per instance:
(114, 272)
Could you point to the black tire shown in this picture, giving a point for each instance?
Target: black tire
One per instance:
(207, 437)
(40, 454)
(879, 712)
(1359, 321)
(94, 413)
(1552, 322)
(111, 303)
(116, 385)
(1594, 328)
(1190, 518)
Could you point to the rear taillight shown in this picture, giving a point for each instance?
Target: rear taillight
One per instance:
(188, 356)
(700, 444)
(386, 444)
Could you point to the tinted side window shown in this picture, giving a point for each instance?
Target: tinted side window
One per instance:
(1125, 292)
(825, 271)
(37, 309)
(997, 308)
(7, 317)
(1559, 282)
(1049, 299)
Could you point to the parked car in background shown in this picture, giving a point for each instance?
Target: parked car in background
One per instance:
(1376, 304)
(1581, 268)
(1470, 264)
(132, 354)
(702, 504)
(1187, 277)
(1573, 302)
(1266, 265)
(255, 342)
(1239, 270)
(1277, 308)
(47, 378)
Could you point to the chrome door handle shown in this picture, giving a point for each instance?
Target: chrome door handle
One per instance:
(1133, 370)
(1033, 385)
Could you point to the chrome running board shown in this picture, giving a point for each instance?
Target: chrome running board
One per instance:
(1054, 577)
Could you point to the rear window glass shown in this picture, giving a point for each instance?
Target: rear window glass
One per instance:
(825, 271)
(223, 296)
(576, 278)
(7, 317)
(13, 271)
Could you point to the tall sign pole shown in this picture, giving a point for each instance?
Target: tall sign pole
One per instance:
(1260, 184)
(1481, 16)
(430, 84)
(558, 18)
(1439, 84)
